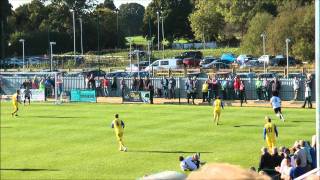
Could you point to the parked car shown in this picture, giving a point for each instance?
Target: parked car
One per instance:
(229, 57)
(207, 60)
(250, 75)
(198, 75)
(252, 63)
(297, 75)
(243, 58)
(267, 75)
(117, 74)
(135, 67)
(96, 73)
(141, 74)
(216, 65)
(165, 64)
(265, 59)
(135, 53)
(281, 60)
(191, 54)
(191, 58)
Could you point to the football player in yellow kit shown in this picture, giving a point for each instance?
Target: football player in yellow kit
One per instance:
(118, 126)
(217, 106)
(15, 101)
(270, 133)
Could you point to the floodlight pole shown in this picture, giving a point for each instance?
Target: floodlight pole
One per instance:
(162, 37)
(51, 44)
(130, 55)
(317, 79)
(149, 55)
(138, 56)
(80, 20)
(263, 35)
(158, 31)
(22, 41)
(74, 35)
(287, 48)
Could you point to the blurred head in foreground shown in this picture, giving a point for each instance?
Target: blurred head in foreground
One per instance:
(224, 172)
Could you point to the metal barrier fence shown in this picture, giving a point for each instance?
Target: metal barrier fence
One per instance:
(9, 84)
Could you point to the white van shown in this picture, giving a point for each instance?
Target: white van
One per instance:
(165, 64)
(265, 58)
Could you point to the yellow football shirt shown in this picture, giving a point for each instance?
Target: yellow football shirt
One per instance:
(270, 130)
(117, 126)
(15, 99)
(217, 105)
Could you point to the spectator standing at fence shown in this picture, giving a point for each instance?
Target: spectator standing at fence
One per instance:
(25, 84)
(151, 90)
(230, 90)
(59, 83)
(172, 87)
(215, 87)
(307, 93)
(259, 88)
(188, 88)
(194, 88)
(135, 83)
(236, 86)
(141, 84)
(105, 83)
(48, 87)
(146, 83)
(34, 84)
(92, 82)
(224, 86)
(265, 89)
(122, 87)
(210, 89)
(42, 85)
(204, 90)
(114, 85)
(296, 87)
(27, 95)
(98, 87)
(165, 83)
(275, 86)
(242, 93)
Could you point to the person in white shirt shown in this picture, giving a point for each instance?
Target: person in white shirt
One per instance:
(276, 104)
(189, 163)
(296, 86)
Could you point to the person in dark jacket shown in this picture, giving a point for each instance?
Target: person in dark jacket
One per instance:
(151, 89)
(276, 86)
(276, 158)
(172, 86)
(265, 160)
(308, 88)
(141, 84)
(135, 84)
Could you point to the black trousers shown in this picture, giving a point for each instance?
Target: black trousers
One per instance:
(307, 101)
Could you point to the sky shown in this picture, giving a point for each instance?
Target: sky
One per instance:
(17, 3)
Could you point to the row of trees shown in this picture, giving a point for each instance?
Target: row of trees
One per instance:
(228, 22)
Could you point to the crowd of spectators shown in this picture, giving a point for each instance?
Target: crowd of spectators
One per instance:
(289, 162)
(47, 84)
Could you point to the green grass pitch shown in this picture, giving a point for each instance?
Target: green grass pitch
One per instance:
(75, 141)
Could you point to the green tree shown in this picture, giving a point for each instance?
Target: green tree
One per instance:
(252, 41)
(206, 23)
(175, 15)
(5, 11)
(131, 18)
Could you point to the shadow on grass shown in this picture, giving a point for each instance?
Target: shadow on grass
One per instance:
(60, 117)
(27, 169)
(303, 121)
(168, 152)
(5, 127)
(247, 125)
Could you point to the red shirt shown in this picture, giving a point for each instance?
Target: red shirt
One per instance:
(105, 83)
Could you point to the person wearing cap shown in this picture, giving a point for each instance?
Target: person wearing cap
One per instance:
(270, 133)
(118, 126)
(190, 163)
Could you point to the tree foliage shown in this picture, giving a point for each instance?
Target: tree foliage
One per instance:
(252, 42)
(175, 15)
(131, 18)
(206, 23)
